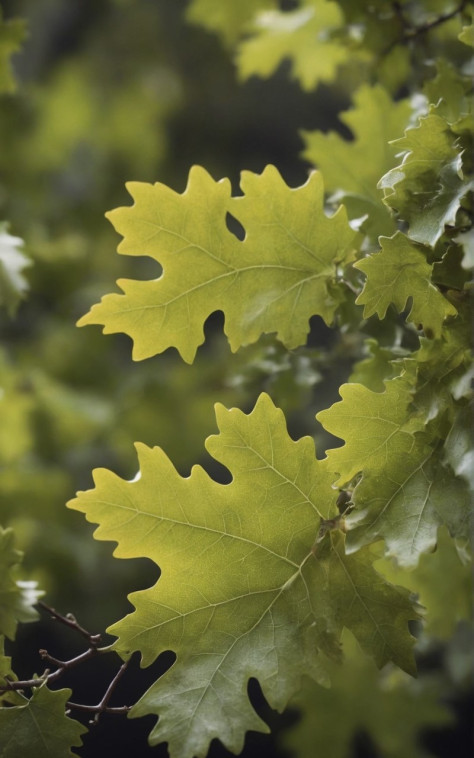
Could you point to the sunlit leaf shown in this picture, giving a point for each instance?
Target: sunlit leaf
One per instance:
(375, 426)
(246, 590)
(286, 264)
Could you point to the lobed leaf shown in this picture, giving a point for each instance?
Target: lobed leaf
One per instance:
(249, 585)
(373, 425)
(427, 188)
(274, 280)
(406, 504)
(40, 727)
(353, 168)
(398, 273)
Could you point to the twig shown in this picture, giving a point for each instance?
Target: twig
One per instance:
(119, 710)
(414, 31)
(70, 621)
(102, 707)
(63, 666)
(49, 676)
(410, 31)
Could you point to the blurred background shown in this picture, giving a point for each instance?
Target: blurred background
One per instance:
(110, 91)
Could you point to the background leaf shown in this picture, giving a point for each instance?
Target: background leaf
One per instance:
(352, 168)
(302, 36)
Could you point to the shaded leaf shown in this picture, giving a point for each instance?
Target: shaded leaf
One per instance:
(245, 590)
(353, 168)
(426, 189)
(8, 697)
(450, 92)
(398, 273)
(39, 727)
(406, 504)
(459, 452)
(442, 583)
(442, 368)
(376, 368)
(392, 708)
(286, 264)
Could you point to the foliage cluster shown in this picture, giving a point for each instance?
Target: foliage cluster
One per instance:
(322, 572)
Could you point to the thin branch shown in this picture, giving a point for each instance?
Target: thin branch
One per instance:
(49, 676)
(102, 706)
(121, 709)
(63, 666)
(69, 620)
(410, 31)
(414, 31)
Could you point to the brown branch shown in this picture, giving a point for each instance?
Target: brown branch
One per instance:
(49, 676)
(102, 706)
(121, 709)
(414, 31)
(70, 621)
(410, 32)
(63, 666)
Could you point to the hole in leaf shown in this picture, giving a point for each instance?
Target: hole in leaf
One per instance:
(235, 227)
